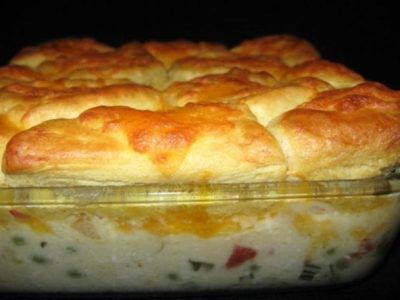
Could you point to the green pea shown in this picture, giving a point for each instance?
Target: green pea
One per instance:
(71, 249)
(254, 268)
(331, 251)
(200, 265)
(73, 273)
(18, 240)
(342, 263)
(39, 259)
(173, 276)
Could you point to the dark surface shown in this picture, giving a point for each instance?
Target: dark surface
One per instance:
(362, 36)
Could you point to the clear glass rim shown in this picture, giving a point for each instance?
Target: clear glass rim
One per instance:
(163, 193)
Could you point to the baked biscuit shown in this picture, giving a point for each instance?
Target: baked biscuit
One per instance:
(373, 89)
(223, 88)
(261, 93)
(9, 74)
(292, 50)
(192, 67)
(272, 102)
(32, 57)
(336, 74)
(313, 83)
(78, 112)
(26, 105)
(89, 60)
(140, 68)
(341, 134)
(169, 52)
(7, 130)
(122, 145)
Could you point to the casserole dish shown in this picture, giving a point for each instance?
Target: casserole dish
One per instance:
(182, 166)
(195, 237)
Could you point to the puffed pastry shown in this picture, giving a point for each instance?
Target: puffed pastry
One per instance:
(77, 111)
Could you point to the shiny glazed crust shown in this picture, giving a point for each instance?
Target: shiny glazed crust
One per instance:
(79, 112)
(292, 50)
(118, 145)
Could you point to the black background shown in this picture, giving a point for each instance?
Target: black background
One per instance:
(361, 34)
(364, 36)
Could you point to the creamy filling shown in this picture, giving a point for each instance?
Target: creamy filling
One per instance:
(299, 244)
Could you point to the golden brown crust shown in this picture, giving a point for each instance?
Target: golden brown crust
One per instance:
(223, 88)
(89, 60)
(7, 130)
(335, 74)
(261, 93)
(343, 134)
(192, 67)
(372, 89)
(138, 67)
(169, 52)
(270, 109)
(26, 105)
(63, 48)
(272, 102)
(315, 84)
(292, 50)
(122, 145)
(10, 74)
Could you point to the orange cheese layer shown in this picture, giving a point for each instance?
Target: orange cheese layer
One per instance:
(202, 220)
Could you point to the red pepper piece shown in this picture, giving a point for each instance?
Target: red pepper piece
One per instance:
(364, 248)
(240, 255)
(17, 214)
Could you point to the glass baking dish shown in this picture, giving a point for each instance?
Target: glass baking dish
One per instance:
(195, 237)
